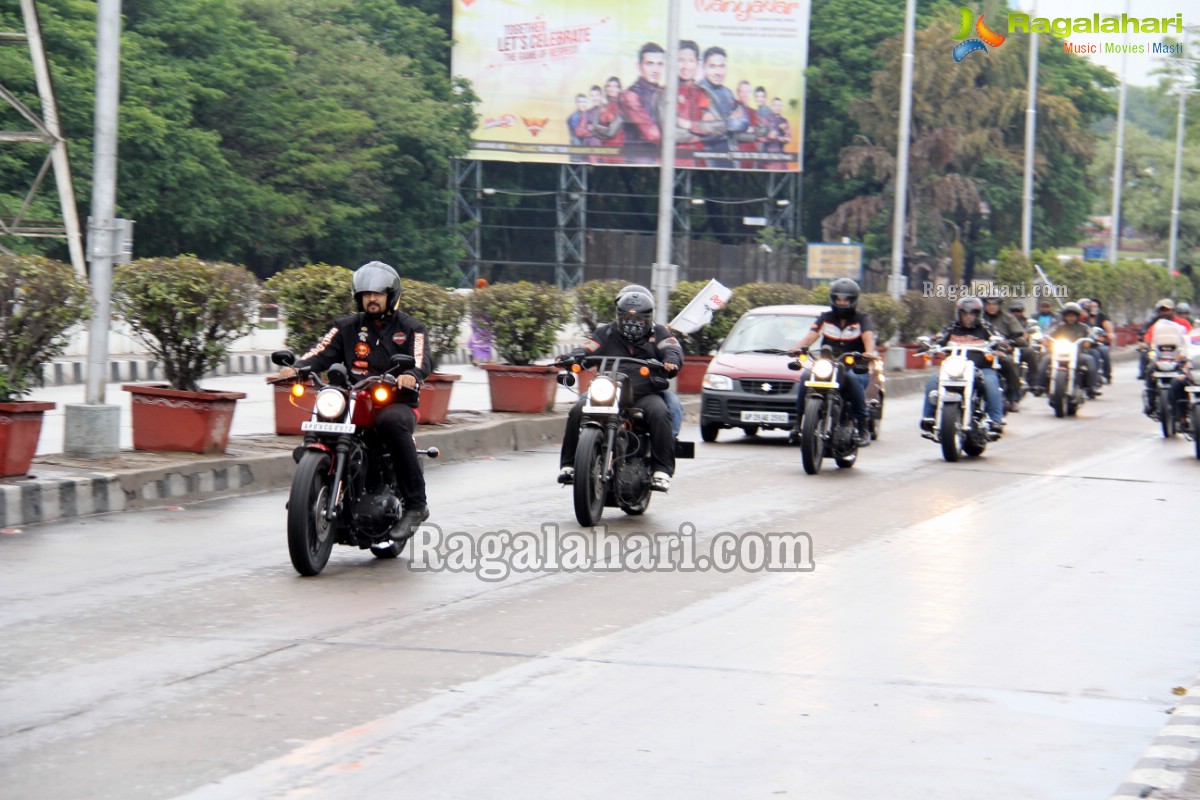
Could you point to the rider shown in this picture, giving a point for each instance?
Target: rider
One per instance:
(1098, 319)
(1045, 316)
(1011, 329)
(1184, 312)
(1072, 329)
(674, 404)
(1166, 331)
(635, 335)
(365, 343)
(1163, 309)
(968, 327)
(844, 329)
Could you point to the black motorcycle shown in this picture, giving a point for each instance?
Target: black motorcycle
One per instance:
(1165, 366)
(344, 488)
(612, 459)
(828, 425)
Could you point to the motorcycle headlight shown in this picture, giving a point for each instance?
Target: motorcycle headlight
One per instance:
(823, 370)
(718, 383)
(954, 367)
(331, 403)
(603, 391)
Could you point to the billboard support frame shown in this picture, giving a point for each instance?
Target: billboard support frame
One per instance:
(570, 233)
(466, 215)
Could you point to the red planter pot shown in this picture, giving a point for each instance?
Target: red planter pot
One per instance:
(435, 398)
(290, 411)
(691, 374)
(191, 422)
(526, 390)
(20, 427)
(913, 359)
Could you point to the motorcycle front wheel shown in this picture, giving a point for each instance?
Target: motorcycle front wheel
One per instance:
(812, 446)
(310, 536)
(1058, 395)
(949, 432)
(590, 485)
(1165, 413)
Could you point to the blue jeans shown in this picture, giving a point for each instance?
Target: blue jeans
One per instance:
(993, 398)
(1105, 357)
(855, 388)
(675, 410)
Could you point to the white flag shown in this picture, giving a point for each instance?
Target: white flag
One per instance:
(699, 312)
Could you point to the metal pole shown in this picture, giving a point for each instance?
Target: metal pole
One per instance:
(663, 278)
(1114, 236)
(58, 150)
(1185, 80)
(1030, 147)
(102, 237)
(897, 283)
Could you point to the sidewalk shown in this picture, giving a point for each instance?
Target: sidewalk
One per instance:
(257, 460)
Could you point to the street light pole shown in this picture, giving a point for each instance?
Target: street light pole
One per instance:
(896, 282)
(662, 279)
(1030, 148)
(1185, 85)
(1114, 236)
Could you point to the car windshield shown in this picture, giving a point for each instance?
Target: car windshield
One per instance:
(766, 333)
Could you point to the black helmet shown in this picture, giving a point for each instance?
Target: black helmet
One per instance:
(1016, 307)
(376, 276)
(968, 305)
(635, 315)
(632, 287)
(1071, 308)
(847, 289)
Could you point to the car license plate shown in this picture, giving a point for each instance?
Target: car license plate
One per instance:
(770, 417)
(312, 426)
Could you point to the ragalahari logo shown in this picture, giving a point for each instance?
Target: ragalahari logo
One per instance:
(987, 36)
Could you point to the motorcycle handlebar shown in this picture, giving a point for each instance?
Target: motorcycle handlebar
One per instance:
(568, 361)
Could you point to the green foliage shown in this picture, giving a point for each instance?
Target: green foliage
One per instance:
(1128, 290)
(885, 312)
(594, 303)
(705, 340)
(1012, 268)
(40, 300)
(922, 316)
(773, 294)
(524, 318)
(186, 311)
(312, 297)
(440, 310)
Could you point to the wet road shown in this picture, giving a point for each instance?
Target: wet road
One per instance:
(1010, 626)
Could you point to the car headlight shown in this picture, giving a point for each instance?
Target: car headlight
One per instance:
(954, 367)
(331, 403)
(718, 383)
(603, 391)
(823, 370)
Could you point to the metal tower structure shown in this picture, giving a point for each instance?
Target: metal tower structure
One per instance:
(466, 215)
(570, 234)
(47, 131)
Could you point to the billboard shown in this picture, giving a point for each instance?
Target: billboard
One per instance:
(580, 81)
(827, 261)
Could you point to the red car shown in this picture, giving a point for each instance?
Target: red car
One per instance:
(748, 384)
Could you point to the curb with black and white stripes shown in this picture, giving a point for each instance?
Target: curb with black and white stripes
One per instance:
(1166, 763)
(63, 373)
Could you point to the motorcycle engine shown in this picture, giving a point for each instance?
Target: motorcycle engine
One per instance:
(842, 437)
(376, 511)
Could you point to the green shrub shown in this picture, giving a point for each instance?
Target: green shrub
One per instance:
(524, 318)
(40, 300)
(756, 295)
(922, 315)
(441, 311)
(312, 297)
(594, 303)
(185, 311)
(885, 312)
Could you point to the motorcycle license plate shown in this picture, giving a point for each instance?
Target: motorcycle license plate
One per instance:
(770, 417)
(1165, 374)
(821, 384)
(312, 426)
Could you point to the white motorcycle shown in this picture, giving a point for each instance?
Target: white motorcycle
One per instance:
(960, 421)
(1068, 379)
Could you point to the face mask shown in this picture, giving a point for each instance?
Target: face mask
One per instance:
(633, 329)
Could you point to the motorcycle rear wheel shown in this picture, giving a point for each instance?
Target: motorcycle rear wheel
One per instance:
(590, 487)
(812, 446)
(1166, 413)
(310, 536)
(949, 433)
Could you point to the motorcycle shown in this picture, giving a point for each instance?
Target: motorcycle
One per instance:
(612, 459)
(1068, 378)
(828, 426)
(1167, 364)
(343, 491)
(1028, 369)
(960, 421)
(1191, 421)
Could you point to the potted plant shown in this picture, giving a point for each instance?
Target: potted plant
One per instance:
(920, 316)
(312, 297)
(700, 345)
(40, 300)
(186, 312)
(525, 319)
(442, 312)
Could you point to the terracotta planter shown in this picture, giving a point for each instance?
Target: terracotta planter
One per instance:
(913, 359)
(290, 411)
(526, 390)
(20, 427)
(191, 422)
(435, 398)
(691, 374)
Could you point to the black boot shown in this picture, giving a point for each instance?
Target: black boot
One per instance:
(409, 521)
(862, 436)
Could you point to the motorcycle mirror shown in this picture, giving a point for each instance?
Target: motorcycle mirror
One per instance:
(566, 379)
(923, 340)
(795, 366)
(338, 375)
(401, 360)
(283, 358)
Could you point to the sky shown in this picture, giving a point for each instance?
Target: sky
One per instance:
(1138, 65)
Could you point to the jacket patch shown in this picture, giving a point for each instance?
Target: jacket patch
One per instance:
(360, 365)
(418, 349)
(321, 345)
(362, 349)
(400, 338)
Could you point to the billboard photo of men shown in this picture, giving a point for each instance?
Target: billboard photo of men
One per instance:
(698, 118)
(640, 104)
(732, 114)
